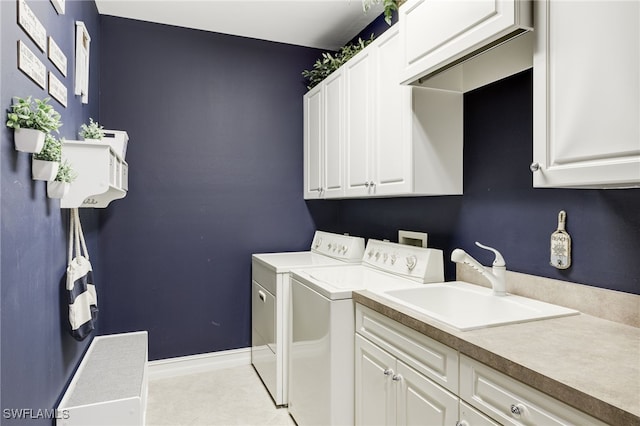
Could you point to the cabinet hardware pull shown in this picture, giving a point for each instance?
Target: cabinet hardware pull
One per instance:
(396, 377)
(518, 410)
(388, 372)
(261, 295)
(534, 167)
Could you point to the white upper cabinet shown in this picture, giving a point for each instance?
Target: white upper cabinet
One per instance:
(438, 33)
(324, 139)
(397, 140)
(587, 95)
(360, 97)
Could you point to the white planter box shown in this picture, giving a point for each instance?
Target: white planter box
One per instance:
(56, 189)
(44, 170)
(29, 140)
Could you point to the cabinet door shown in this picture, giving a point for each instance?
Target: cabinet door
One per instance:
(333, 185)
(587, 94)
(359, 102)
(436, 33)
(422, 402)
(393, 168)
(375, 391)
(313, 141)
(469, 416)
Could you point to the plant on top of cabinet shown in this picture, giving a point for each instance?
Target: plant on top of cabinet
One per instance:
(45, 164)
(59, 187)
(324, 66)
(31, 120)
(389, 7)
(92, 131)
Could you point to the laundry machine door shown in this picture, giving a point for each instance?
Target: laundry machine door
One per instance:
(263, 335)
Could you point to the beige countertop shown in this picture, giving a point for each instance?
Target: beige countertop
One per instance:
(589, 363)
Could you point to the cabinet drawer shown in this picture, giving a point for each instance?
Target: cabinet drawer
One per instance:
(512, 402)
(429, 357)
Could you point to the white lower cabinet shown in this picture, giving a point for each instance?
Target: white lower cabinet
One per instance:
(512, 402)
(403, 377)
(389, 392)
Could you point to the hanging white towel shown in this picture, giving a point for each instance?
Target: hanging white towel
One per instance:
(83, 300)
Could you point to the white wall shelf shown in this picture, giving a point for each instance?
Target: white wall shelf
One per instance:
(102, 175)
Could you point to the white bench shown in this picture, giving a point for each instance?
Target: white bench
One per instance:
(110, 386)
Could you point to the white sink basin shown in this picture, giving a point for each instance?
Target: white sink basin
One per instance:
(467, 307)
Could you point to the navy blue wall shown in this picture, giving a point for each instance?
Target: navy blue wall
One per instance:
(500, 207)
(215, 160)
(37, 354)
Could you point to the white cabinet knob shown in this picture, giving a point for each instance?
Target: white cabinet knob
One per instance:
(534, 167)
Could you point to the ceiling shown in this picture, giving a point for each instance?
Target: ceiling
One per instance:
(326, 25)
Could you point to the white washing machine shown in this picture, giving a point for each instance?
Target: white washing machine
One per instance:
(321, 376)
(270, 302)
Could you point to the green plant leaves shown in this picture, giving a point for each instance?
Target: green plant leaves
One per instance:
(36, 114)
(52, 150)
(92, 131)
(328, 63)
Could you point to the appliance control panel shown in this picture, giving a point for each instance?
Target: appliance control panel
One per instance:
(338, 246)
(420, 264)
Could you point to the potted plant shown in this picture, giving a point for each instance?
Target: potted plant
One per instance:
(45, 164)
(390, 6)
(59, 187)
(31, 121)
(331, 62)
(92, 132)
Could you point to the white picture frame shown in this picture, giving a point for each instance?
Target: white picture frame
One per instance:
(57, 56)
(57, 89)
(83, 43)
(32, 25)
(29, 64)
(58, 5)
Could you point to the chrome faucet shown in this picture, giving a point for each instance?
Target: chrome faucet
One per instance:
(497, 274)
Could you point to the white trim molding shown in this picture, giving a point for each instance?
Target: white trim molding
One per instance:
(193, 364)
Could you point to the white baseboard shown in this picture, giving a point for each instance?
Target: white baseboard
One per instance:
(193, 364)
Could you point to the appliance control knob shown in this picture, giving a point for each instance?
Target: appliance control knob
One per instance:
(385, 257)
(411, 262)
(345, 249)
(393, 259)
(377, 255)
(318, 242)
(370, 253)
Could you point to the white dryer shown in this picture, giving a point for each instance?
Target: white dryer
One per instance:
(270, 302)
(321, 375)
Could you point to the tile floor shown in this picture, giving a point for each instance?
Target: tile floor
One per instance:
(233, 396)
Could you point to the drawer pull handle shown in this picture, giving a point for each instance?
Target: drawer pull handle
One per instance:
(396, 378)
(518, 410)
(388, 372)
(261, 295)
